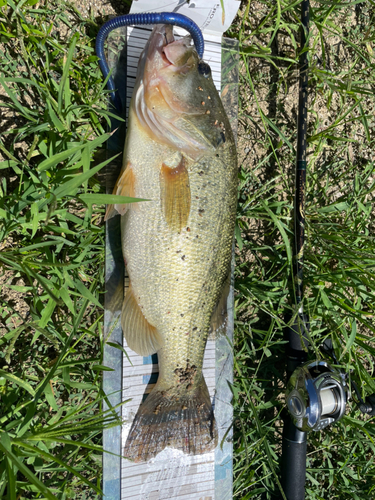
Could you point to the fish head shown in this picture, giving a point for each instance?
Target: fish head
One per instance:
(176, 100)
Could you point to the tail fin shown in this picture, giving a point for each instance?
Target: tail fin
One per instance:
(183, 421)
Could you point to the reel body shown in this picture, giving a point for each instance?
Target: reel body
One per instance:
(316, 396)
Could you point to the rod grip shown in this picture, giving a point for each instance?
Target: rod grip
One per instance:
(293, 462)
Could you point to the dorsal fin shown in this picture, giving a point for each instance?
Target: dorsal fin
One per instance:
(175, 194)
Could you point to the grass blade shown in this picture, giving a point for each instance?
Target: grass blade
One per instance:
(24, 469)
(64, 89)
(22, 383)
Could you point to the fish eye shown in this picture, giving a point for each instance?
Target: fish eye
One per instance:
(204, 69)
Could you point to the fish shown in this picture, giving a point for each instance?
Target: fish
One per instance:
(180, 155)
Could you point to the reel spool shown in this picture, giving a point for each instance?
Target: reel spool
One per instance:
(316, 396)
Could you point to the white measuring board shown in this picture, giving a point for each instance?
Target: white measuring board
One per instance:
(172, 474)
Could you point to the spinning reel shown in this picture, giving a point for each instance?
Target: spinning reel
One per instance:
(316, 396)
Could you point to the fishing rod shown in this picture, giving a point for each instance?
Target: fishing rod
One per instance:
(172, 18)
(317, 393)
(294, 441)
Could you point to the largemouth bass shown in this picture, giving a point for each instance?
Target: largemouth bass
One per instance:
(179, 154)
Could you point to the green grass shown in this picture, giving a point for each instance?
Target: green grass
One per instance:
(54, 114)
(53, 121)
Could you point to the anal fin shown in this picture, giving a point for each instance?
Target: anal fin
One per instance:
(125, 186)
(141, 337)
(175, 194)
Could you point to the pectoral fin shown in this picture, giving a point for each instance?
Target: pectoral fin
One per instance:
(175, 194)
(125, 186)
(141, 337)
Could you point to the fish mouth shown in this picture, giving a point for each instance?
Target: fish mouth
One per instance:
(170, 52)
(169, 39)
(165, 59)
